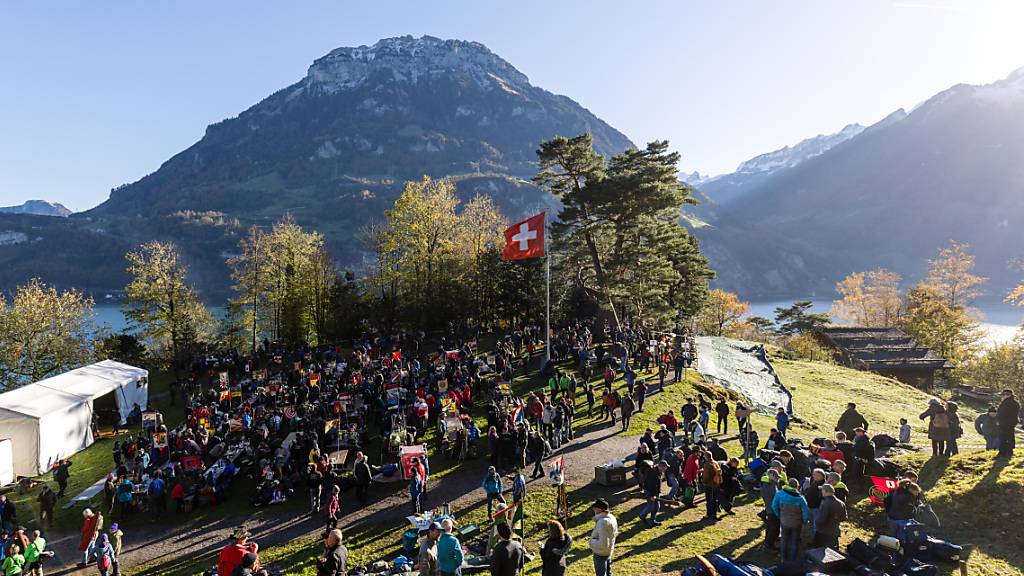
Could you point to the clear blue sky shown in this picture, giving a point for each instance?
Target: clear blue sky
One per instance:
(96, 94)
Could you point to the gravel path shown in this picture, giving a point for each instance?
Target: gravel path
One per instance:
(149, 544)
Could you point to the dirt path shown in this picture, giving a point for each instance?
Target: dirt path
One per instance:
(149, 544)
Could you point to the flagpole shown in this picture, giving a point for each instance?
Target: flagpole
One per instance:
(547, 282)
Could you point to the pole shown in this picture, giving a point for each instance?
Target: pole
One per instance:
(547, 291)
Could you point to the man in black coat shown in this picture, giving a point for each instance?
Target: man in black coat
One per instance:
(1007, 417)
(850, 420)
(508, 555)
(364, 475)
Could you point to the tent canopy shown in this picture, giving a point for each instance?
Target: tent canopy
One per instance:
(51, 419)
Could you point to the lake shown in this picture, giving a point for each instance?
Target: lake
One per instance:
(1000, 320)
(111, 317)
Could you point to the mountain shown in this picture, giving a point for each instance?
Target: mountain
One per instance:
(890, 196)
(37, 207)
(755, 171)
(333, 150)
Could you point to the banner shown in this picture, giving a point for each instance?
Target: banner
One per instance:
(880, 487)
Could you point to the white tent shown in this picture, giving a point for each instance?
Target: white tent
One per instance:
(51, 419)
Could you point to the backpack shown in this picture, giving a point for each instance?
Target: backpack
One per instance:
(104, 562)
(940, 420)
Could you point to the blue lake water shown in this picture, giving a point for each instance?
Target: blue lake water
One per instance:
(1000, 320)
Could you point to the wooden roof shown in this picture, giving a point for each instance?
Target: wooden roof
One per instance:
(882, 348)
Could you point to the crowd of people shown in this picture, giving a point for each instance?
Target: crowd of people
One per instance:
(299, 420)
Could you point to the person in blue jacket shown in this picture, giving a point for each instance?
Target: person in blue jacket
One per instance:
(492, 487)
(790, 507)
(782, 421)
(449, 551)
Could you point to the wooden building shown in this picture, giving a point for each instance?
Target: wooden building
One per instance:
(885, 351)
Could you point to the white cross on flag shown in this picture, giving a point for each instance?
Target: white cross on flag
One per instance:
(525, 239)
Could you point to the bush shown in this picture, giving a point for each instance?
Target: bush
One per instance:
(805, 347)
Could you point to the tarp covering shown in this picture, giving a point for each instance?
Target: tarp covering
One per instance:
(52, 419)
(742, 367)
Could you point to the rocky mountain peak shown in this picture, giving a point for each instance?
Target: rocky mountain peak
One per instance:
(406, 59)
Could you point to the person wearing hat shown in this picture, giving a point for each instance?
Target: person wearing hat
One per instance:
(602, 537)
(334, 562)
(116, 540)
(232, 554)
(426, 561)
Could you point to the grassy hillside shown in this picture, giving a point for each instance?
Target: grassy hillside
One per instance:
(821, 391)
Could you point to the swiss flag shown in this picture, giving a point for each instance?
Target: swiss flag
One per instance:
(525, 239)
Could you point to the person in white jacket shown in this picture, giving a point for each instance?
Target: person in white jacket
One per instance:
(602, 538)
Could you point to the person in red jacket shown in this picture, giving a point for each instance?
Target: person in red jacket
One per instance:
(231, 555)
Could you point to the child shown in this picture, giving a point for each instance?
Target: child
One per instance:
(904, 431)
(116, 540)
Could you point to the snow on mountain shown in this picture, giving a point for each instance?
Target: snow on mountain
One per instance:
(792, 155)
(727, 187)
(38, 208)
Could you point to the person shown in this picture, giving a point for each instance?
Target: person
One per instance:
(688, 412)
(537, 448)
(519, 486)
(836, 481)
(231, 555)
(711, 477)
(904, 431)
(901, 505)
(14, 563)
(938, 425)
(955, 429)
(415, 491)
(334, 561)
(34, 554)
(47, 500)
(811, 491)
(315, 484)
(652, 481)
(247, 565)
(722, 412)
(8, 514)
(831, 512)
(1007, 416)
(449, 551)
(61, 474)
(790, 508)
(91, 525)
(641, 394)
(850, 420)
(156, 491)
(116, 542)
(555, 549)
(508, 555)
(104, 555)
(602, 538)
(426, 560)
(628, 405)
(781, 421)
(363, 476)
(769, 486)
(731, 486)
(492, 488)
(986, 425)
(332, 508)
